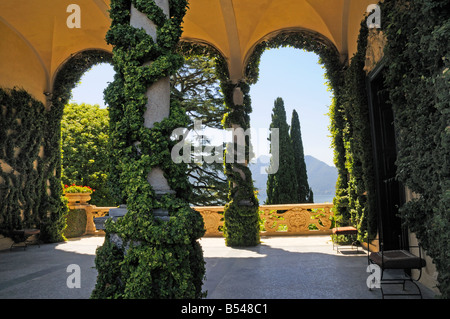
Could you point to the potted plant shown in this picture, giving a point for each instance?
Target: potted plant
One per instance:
(78, 194)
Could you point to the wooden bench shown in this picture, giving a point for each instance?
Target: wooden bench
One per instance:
(22, 236)
(346, 230)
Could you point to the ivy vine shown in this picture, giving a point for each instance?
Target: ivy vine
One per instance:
(417, 59)
(32, 194)
(22, 184)
(159, 259)
(241, 213)
(355, 189)
(354, 201)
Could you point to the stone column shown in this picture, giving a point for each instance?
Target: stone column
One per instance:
(241, 219)
(238, 136)
(158, 101)
(157, 109)
(144, 257)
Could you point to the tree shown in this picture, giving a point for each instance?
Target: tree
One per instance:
(282, 188)
(304, 192)
(84, 136)
(197, 87)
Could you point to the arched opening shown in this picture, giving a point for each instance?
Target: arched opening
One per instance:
(288, 65)
(297, 39)
(85, 136)
(298, 78)
(65, 80)
(195, 85)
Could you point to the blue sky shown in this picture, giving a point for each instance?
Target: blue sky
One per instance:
(292, 74)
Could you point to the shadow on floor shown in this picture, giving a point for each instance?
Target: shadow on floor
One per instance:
(277, 269)
(265, 272)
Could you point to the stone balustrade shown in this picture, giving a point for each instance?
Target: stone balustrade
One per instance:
(277, 220)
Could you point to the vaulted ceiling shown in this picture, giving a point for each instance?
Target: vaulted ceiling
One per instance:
(35, 39)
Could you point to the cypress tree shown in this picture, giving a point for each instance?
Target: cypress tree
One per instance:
(282, 188)
(304, 192)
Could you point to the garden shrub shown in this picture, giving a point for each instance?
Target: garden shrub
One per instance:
(76, 221)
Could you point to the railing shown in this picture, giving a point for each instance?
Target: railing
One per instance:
(277, 220)
(92, 211)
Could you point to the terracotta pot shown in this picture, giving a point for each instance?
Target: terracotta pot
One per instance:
(81, 198)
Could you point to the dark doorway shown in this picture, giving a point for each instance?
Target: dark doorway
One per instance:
(390, 193)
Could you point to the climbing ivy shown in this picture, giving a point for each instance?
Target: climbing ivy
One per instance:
(417, 59)
(417, 63)
(23, 190)
(417, 79)
(241, 217)
(153, 258)
(355, 188)
(30, 138)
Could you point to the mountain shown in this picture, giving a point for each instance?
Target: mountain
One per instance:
(321, 178)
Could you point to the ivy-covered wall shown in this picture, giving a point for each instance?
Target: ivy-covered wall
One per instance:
(30, 137)
(355, 201)
(417, 77)
(25, 197)
(417, 59)
(76, 223)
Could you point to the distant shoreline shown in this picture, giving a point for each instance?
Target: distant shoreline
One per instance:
(323, 199)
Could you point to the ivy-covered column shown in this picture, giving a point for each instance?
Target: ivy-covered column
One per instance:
(152, 251)
(241, 217)
(158, 101)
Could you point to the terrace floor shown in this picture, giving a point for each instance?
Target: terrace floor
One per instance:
(303, 267)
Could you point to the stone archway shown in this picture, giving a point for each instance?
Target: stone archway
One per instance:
(65, 79)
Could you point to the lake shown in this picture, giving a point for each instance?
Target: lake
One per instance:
(323, 199)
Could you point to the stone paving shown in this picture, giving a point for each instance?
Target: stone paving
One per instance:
(304, 267)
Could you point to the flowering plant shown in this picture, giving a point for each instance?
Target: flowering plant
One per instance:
(77, 189)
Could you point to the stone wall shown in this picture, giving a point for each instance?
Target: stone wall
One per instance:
(376, 41)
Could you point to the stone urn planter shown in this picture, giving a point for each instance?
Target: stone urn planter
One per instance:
(78, 198)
